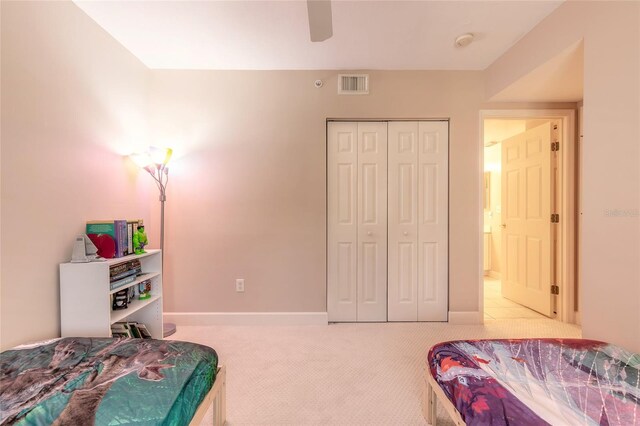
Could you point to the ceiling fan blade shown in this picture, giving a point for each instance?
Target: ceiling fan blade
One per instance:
(320, 21)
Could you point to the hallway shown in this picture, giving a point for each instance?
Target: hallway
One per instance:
(497, 307)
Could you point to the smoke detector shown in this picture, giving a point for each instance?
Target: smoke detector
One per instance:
(464, 40)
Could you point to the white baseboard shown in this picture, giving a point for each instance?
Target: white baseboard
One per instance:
(247, 318)
(282, 318)
(465, 317)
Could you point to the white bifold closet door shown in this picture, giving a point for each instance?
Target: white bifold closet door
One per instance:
(418, 220)
(387, 255)
(357, 221)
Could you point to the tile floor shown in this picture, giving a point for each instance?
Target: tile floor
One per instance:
(497, 307)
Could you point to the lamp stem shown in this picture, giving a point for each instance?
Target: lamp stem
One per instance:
(163, 177)
(162, 200)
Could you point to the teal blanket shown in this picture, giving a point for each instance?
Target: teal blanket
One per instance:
(85, 381)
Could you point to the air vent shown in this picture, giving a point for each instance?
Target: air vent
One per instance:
(353, 84)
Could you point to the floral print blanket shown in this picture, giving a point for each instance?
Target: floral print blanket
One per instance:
(539, 381)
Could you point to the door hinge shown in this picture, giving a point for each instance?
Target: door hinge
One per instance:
(555, 218)
(555, 289)
(555, 146)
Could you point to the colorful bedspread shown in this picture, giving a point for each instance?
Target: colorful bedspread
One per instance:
(539, 381)
(83, 381)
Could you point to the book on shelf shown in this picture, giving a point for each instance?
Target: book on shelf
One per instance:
(130, 329)
(103, 235)
(119, 268)
(119, 335)
(122, 282)
(144, 332)
(123, 239)
(120, 329)
(134, 330)
(136, 271)
(125, 269)
(132, 228)
(130, 237)
(109, 236)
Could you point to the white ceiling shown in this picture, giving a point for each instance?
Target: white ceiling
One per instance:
(274, 34)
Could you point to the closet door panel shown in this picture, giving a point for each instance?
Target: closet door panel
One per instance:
(342, 221)
(372, 222)
(403, 221)
(433, 216)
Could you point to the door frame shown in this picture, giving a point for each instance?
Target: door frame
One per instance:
(566, 258)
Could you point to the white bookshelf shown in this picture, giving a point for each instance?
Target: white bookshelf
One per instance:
(85, 297)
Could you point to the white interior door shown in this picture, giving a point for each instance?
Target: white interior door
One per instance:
(433, 220)
(526, 234)
(403, 221)
(372, 222)
(342, 221)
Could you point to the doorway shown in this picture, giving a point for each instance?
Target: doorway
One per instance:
(527, 188)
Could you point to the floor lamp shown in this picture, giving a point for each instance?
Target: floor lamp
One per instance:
(155, 161)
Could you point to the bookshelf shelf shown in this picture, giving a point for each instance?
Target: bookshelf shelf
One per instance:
(116, 260)
(134, 306)
(86, 297)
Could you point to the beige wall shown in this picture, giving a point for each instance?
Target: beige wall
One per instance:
(610, 191)
(72, 102)
(247, 197)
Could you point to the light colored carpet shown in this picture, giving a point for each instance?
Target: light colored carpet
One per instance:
(341, 374)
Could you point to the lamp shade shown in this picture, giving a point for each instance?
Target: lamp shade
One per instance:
(142, 160)
(160, 155)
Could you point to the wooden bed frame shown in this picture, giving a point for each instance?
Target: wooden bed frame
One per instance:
(217, 397)
(430, 395)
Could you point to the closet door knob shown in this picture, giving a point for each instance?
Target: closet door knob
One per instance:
(369, 233)
(405, 233)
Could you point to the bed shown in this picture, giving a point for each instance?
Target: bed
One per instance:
(533, 382)
(84, 381)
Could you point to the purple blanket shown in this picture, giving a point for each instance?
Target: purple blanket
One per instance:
(539, 381)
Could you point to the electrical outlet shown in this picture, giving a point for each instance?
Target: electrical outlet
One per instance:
(240, 285)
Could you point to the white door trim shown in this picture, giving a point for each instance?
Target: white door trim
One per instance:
(566, 261)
